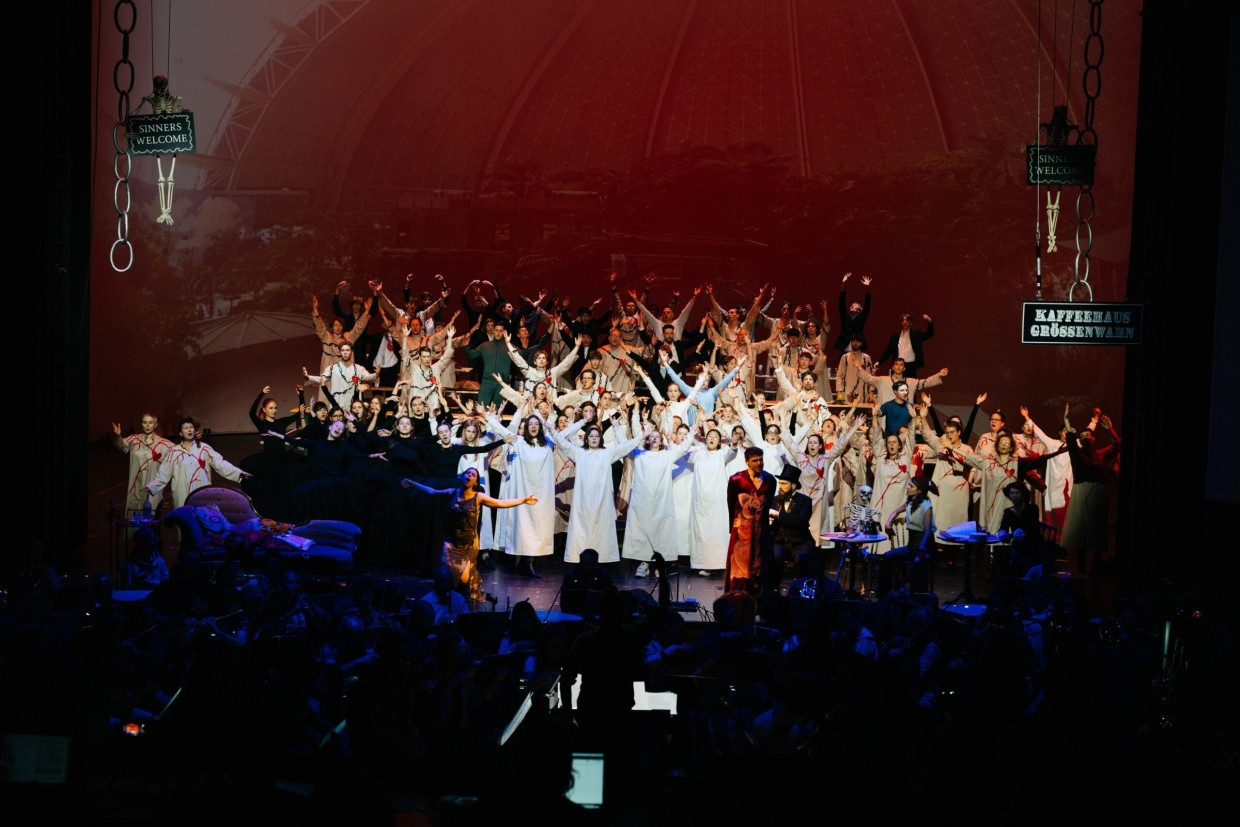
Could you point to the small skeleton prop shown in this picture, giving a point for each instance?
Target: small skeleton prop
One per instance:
(861, 517)
(1052, 220)
(1055, 132)
(163, 103)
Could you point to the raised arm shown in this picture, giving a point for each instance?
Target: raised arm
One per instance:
(865, 375)
(569, 359)
(652, 321)
(654, 392)
(386, 304)
(515, 355)
(425, 489)
(494, 503)
(683, 319)
(781, 376)
(753, 428)
(496, 426)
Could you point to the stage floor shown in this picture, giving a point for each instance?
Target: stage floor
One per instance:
(953, 583)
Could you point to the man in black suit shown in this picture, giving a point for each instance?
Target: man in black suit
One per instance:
(790, 513)
(852, 316)
(906, 343)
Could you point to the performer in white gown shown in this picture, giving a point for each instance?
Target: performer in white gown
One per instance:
(532, 530)
(146, 450)
(892, 467)
(709, 526)
(592, 519)
(997, 469)
(188, 466)
(738, 442)
(817, 464)
(540, 371)
(682, 488)
(775, 454)
(1058, 473)
(953, 501)
(651, 518)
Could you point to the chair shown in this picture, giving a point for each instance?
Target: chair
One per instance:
(218, 524)
(898, 533)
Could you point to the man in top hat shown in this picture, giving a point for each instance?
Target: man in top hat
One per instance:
(790, 514)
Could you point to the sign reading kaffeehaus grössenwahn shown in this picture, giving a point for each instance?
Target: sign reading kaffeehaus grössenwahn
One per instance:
(1080, 323)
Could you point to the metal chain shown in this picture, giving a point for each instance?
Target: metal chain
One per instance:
(1091, 83)
(121, 198)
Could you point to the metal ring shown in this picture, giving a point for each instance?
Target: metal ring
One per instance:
(133, 14)
(112, 255)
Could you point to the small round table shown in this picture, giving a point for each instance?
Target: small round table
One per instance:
(972, 542)
(854, 543)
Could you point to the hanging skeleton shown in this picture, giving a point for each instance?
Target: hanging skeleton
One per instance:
(163, 103)
(1052, 219)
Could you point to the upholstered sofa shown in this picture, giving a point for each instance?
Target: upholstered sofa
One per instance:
(218, 525)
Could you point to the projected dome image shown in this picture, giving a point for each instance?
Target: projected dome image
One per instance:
(547, 144)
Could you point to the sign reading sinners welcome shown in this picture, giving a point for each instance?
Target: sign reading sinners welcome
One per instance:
(166, 134)
(1062, 165)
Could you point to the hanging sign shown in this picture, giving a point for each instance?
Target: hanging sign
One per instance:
(166, 134)
(1081, 323)
(1060, 165)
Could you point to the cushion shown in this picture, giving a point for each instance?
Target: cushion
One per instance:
(330, 532)
(211, 518)
(255, 523)
(213, 524)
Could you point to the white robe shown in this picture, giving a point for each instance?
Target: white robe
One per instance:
(709, 526)
(144, 462)
(682, 495)
(955, 497)
(185, 471)
(774, 455)
(891, 478)
(995, 475)
(592, 520)
(651, 522)
(565, 484)
(1058, 476)
(818, 476)
(737, 462)
(530, 532)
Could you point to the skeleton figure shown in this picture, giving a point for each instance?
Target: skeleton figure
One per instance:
(861, 517)
(161, 102)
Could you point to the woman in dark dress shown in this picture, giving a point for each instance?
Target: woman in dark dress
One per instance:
(460, 543)
(433, 462)
(270, 467)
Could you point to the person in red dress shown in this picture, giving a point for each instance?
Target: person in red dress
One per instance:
(751, 543)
